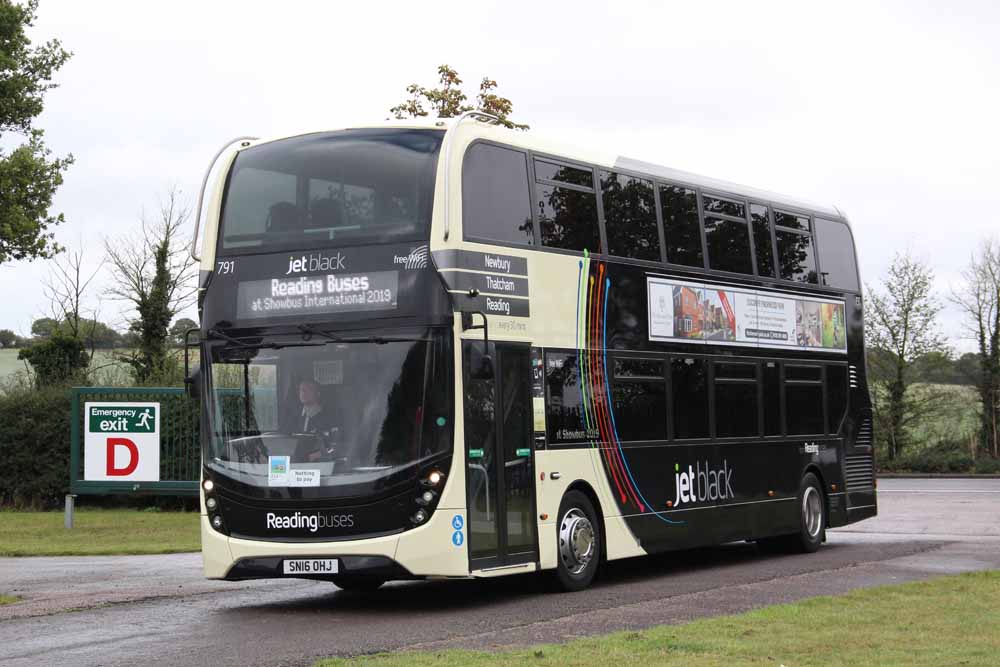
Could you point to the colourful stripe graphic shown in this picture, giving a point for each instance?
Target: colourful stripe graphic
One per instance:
(592, 297)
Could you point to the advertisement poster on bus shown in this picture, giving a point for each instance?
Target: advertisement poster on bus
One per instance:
(709, 314)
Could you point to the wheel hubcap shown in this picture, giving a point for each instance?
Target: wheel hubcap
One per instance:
(576, 541)
(812, 511)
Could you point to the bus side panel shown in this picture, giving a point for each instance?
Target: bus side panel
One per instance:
(573, 466)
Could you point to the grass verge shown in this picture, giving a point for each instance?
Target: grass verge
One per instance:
(98, 532)
(8, 599)
(944, 621)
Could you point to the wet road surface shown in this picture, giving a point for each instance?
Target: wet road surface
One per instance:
(141, 610)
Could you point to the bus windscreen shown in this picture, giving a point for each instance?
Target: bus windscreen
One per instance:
(352, 187)
(340, 415)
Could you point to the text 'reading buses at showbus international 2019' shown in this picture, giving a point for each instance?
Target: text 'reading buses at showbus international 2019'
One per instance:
(446, 349)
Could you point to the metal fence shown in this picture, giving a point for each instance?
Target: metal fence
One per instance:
(179, 448)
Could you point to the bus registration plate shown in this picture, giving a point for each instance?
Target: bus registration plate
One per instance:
(311, 566)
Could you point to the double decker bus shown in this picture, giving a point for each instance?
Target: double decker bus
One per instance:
(446, 349)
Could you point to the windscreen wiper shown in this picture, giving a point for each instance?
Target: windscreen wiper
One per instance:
(377, 340)
(242, 343)
(308, 331)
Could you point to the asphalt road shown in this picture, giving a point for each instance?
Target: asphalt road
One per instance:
(142, 610)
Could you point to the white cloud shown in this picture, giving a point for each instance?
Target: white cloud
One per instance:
(889, 111)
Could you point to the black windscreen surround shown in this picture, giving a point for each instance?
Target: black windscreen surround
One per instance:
(681, 227)
(630, 217)
(689, 385)
(496, 202)
(351, 187)
(836, 254)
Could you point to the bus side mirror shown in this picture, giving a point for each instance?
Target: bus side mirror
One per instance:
(192, 384)
(482, 368)
(192, 379)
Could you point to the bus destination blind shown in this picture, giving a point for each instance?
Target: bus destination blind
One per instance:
(317, 295)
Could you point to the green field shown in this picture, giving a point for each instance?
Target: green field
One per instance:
(98, 532)
(106, 367)
(945, 621)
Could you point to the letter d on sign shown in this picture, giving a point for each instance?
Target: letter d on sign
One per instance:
(133, 454)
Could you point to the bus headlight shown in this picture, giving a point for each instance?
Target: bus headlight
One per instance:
(433, 478)
(419, 517)
(211, 503)
(217, 522)
(208, 485)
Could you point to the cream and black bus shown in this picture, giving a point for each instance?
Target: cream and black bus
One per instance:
(445, 349)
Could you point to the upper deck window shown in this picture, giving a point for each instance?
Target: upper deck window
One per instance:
(630, 216)
(836, 254)
(345, 188)
(727, 235)
(566, 204)
(496, 204)
(680, 225)
(796, 260)
(762, 243)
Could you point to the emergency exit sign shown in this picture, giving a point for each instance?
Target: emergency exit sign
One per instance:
(121, 442)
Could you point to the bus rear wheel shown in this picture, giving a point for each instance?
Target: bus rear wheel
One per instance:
(578, 536)
(812, 515)
(358, 583)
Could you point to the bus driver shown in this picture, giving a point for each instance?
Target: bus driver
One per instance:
(314, 419)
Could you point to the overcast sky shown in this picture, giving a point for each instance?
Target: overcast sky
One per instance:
(888, 110)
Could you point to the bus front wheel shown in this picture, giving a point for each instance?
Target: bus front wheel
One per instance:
(578, 536)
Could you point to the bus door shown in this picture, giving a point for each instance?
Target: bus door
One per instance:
(499, 456)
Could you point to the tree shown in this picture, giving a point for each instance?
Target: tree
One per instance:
(65, 289)
(449, 101)
(900, 323)
(979, 298)
(57, 360)
(181, 327)
(7, 338)
(29, 175)
(155, 274)
(44, 327)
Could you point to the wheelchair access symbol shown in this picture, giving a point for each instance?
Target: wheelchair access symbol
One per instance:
(458, 537)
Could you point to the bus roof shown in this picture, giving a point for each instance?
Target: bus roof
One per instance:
(530, 141)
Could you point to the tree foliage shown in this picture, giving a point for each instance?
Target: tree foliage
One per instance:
(979, 298)
(449, 101)
(155, 274)
(179, 328)
(8, 338)
(901, 328)
(29, 175)
(56, 361)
